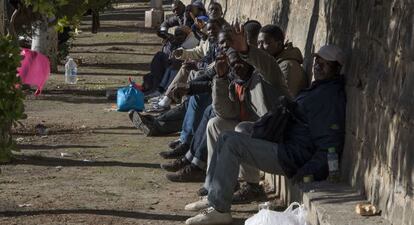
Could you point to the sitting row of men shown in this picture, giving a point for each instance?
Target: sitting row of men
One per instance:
(234, 77)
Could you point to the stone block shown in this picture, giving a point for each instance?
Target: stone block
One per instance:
(153, 18)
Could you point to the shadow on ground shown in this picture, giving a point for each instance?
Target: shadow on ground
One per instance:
(51, 161)
(101, 212)
(52, 147)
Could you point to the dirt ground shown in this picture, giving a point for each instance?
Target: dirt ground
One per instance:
(92, 166)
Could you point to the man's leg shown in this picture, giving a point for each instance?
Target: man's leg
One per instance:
(233, 149)
(166, 79)
(167, 123)
(180, 78)
(193, 156)
(195, 110)
(251, 189)
(171, 121)
(198, 147)
(248, 173)
(215, 127)
(157, 67)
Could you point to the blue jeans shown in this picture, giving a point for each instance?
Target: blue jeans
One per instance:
(167, 79)
(195, 110)
(197, 154)
(234, 148)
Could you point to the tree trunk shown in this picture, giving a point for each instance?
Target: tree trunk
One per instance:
(95, 21)
(2, 17)
(45, 41)
(5, 141)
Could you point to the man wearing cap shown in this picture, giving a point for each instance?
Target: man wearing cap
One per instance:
(321, 108)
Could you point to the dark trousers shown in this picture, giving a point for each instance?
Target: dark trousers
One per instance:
(171, 121)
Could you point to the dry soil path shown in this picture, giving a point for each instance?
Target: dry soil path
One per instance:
(93, 167)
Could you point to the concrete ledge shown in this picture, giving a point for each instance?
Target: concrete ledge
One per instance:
(328, 203)
(331, 204)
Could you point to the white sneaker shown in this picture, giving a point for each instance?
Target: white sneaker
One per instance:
(198, 205)
(165, 101)
(210, 216)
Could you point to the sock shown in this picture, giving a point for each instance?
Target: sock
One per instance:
(165, 101)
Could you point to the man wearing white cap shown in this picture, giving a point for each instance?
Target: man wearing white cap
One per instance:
(320, 126)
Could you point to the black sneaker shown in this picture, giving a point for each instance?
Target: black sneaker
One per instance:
(249, 192)
(178, 152)
(145, 123)
(175, 165)
(189, 173)
(174, 144)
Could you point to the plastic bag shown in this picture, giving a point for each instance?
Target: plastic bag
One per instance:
(130, 98)
(290, 216)
(34, 69)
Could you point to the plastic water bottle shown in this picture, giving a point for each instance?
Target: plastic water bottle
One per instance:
(265, 205)
(333, 165)
(71, 71)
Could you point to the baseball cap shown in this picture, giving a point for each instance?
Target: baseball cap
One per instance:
(331, 53)
(198, 4)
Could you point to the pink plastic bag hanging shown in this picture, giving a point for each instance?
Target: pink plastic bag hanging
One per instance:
(34, 70)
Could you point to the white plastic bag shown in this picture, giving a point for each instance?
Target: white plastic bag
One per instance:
(290, 216)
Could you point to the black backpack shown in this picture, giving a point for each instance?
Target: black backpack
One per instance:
(272, 125)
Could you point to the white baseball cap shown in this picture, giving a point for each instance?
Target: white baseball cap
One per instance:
(331, 53)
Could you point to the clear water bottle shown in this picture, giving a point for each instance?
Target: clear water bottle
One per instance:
(265, 205)
(333, 165)
(71, 71)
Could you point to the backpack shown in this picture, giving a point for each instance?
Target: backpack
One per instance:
(272, 125)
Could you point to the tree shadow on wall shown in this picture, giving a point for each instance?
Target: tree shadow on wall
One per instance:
(281, 17)
(378, 38)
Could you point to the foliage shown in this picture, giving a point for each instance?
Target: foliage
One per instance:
(65, 12)
(11, 96)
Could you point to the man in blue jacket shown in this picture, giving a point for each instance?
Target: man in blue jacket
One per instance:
(304, 149)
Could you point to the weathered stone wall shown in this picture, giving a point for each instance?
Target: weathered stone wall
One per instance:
(378, 37)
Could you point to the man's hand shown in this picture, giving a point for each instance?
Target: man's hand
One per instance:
(239, 40)
(190, 65)
(177, 53)
(180, 90)
(186, 29)
(222, 65)
(199, 24)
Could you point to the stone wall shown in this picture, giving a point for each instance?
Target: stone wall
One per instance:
(378, 37)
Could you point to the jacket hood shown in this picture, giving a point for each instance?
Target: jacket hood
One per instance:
(290, 53)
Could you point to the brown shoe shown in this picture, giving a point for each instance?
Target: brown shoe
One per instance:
(178, 152)
(189, 173)
(249, 192)
(175, 165)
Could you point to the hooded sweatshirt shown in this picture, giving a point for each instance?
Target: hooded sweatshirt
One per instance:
(290, 61)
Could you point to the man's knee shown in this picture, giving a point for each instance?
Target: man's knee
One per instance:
(244, 127)
(213, 124)
(230, 140)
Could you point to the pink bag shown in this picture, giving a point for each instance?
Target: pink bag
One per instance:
(34, 70)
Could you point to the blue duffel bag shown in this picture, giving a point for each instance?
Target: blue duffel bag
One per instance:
(130, 98)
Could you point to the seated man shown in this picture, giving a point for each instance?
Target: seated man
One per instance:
(190, 167)
(163, 64)
(285, 60)
(204, 52)
(304, 149)
(179, 18)
(216, 13)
